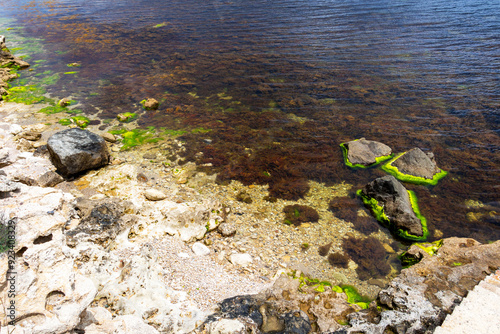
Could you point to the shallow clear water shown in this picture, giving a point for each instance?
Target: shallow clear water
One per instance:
(281, 84)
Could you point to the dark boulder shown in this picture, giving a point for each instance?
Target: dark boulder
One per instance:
(365, 152)
(75, 150)
(416, 163)
(395, 202)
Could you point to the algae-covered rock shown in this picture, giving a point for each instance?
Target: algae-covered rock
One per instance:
(415, 166)
(150, 104)
(394, 206)
(75, 150)
(363, 153)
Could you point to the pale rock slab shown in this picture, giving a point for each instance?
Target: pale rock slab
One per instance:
(241, 259)
(154, 195)
(200, 249)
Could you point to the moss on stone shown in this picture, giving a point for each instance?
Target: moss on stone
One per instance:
(394, 171)
(353, 296)
(29, 94)
(80, 121)
(200, 130)
(351, 165)
(378, 212)
(430, 248)
(126, 117)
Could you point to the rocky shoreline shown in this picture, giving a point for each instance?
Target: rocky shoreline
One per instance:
(133, 246)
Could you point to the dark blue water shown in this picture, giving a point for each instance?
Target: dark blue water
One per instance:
(407, 73)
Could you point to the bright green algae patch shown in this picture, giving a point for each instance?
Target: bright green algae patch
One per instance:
(126, 117)
(80, 121)
(350, 164)
(136, 137)
(353, 296)
(430, 248)
(394, 171)
(378, 212)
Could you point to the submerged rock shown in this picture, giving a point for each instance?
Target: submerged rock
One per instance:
(150, 104)
(75, 150)
(390, 202)
(365, 152)
(415, 166)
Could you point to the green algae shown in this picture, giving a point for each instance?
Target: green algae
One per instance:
(137, 137)
(71, 72)
(55, 109)
(353, 296)
(351, 165)
(30, 94)
(126, 117)
(380, 215)
(80, 121)
(200, 130)
(394, 171)
(159, 25)
(430, 248)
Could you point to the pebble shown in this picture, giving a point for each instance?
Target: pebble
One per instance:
(200, 249)
(241, 259)
(154, 195)
(183, 255)
(109, 137)
(227, 229)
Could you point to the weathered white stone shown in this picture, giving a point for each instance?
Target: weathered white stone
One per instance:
(226, 326)
(240, 259)
(154, 195)
(200, 249)
(50, 295)
(134, 285)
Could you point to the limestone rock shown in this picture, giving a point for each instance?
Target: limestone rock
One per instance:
(227, 229)
(394, 198)
(133, 285)
(154, 195)
(75, 150)
(241, 259)
(50, 295)
(7, 185)
(421, 296)
(6, 157)
(30, 135)
(227, 326)
(365, 152)
(200, 249)
(416, 163)
(49, 179)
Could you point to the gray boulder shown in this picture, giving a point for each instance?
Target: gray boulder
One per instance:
(416, 163)
(75, 150)
(365, 152)
(394, 198)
